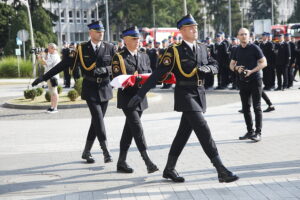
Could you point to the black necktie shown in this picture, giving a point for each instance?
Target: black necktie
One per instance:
(96, 49)
(194, 50)
(135, 58)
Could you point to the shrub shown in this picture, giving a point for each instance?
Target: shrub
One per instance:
(30, 94)
(59, 89)
(9, 67)
(73, 95)
(39, 91)
(48, 96)
(26, 94)
(78, 85)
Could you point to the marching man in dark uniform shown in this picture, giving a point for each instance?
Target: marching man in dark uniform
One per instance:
(131, 61)
(189, 63)
(95, 58)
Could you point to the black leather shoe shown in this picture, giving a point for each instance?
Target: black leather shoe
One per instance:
(256, 137)
(224, 175)
(106, 153)
(269, 109)
(151, 167)
(241, 111)
(124, 168)
(173, 175)
(278, 88)
(88, 157)
(248, 135)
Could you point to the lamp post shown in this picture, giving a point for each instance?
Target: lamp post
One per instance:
(272, 11)
(107, 20)
(184, 8)
(204, 18)
(242, 7)
(31, 36)
(229, 17)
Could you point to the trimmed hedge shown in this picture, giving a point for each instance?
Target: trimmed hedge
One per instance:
(78, 85)
(73, 95)
(9, 67)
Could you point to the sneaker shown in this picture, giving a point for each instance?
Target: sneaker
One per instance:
(256, 137)
(52, 110)
(269, 109)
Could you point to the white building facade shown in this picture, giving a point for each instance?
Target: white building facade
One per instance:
(74, 15)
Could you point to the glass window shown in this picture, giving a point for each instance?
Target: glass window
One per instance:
(62, 16)
(85, 16)
(70, 16)
(78, 16)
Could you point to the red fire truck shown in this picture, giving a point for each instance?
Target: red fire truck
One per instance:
(158, 34)
(293, 29)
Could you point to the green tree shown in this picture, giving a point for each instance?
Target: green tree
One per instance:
(125, 13)
(262, 9)
(220, 20)
(42, 22)
(7, 14)
(295, 18)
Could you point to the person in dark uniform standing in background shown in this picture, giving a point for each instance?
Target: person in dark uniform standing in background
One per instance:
(75, 71)
(297, 67)
(248, 60)
(67, 76)
(233, 76)
(152, 53)
(120, 45)
(222, 56)
(95, 58)
(283, 57)
(165, 45)
(131, 61)
(292, 63)
(189, 63)
(209, 77)
(267, 48)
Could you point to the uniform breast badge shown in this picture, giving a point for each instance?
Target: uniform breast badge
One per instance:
(167, 61)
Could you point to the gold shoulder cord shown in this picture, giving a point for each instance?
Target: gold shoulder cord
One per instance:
(82, 62)
(179, 65)
(122, 64)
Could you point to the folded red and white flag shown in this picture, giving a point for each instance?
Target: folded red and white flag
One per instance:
(124, 81)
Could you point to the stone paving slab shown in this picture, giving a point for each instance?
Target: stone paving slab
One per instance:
(40, 159)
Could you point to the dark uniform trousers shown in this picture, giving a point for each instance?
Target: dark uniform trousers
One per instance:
(282, 73)
(133, 127)
(189, 97)
(67, 77)
(97, 127)
(190, 121)
(95, 86)
(252, 90)
(292, 61)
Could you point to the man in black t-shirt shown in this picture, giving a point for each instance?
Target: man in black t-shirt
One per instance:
(248, 60)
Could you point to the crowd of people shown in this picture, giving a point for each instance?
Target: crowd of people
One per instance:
(238, 62)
